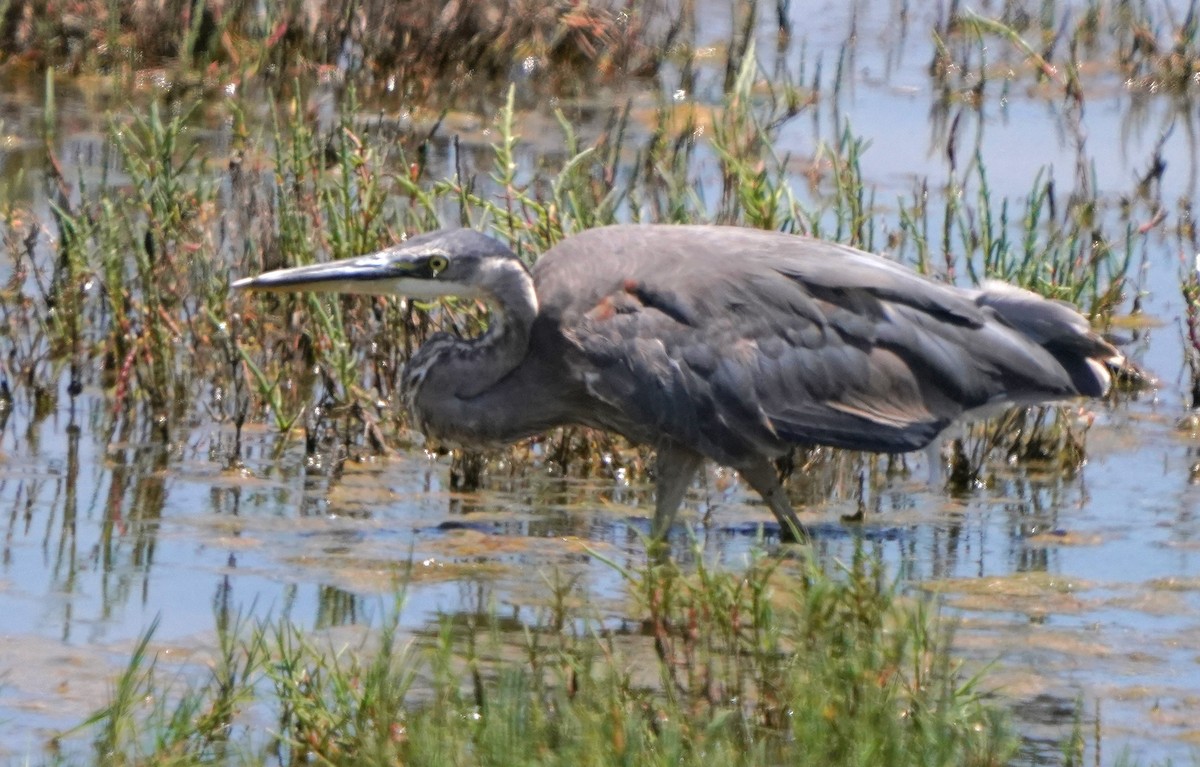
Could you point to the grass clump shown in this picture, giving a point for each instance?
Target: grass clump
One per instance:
(778, 663)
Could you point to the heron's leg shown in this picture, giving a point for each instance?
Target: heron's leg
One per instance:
(675, 468)
(762, 477)
(937, 466)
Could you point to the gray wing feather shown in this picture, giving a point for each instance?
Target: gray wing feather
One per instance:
(740, 343)
(1060, 329)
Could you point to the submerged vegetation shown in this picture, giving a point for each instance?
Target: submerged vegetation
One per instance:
(117, 291)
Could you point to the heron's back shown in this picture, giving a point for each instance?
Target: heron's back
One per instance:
(739, 342)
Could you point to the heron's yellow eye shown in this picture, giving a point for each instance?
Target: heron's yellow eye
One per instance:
(438, 264)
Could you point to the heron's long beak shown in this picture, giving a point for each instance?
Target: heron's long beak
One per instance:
(386, 273)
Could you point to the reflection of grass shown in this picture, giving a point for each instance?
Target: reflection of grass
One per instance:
(776, 664)
(1153, 46)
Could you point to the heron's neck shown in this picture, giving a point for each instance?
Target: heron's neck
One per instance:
(447, 371)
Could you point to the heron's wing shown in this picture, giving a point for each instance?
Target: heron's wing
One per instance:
(743, 347)
(750, 377)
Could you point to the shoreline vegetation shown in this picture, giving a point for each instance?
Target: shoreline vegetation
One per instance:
(777, 664)
(121, 294)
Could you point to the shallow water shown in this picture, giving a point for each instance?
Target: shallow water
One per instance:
(1083, 591)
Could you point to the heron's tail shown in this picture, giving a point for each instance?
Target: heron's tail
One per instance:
(1089, 360)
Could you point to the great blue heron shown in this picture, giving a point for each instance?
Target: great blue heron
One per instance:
(714, 342)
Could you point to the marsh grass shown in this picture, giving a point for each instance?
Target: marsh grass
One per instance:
(775, 663)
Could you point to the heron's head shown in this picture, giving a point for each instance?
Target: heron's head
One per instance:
(452, 262)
